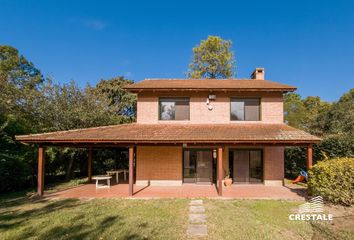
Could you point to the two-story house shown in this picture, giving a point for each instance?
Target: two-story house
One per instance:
(196, 131)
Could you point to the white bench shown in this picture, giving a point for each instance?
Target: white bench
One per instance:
(116, 172)
(107, 178)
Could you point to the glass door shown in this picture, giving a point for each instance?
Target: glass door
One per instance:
(198, 166)
(204, 166)
(241, 170)
(247, 166)
(256, 168)
(189, 167)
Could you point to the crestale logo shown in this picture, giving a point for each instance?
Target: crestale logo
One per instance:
(311, 211)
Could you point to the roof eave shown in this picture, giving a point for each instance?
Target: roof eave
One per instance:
(284, 90)
(134, 141)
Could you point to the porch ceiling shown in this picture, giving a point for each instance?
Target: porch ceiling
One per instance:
(134, 133)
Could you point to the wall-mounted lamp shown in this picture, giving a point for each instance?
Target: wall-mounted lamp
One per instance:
(214, 154)
(212, 97)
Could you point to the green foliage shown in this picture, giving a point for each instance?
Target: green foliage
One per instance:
(213, 58)
(30, 103)
(63, 107)
(341, 115)
(332, 121)
(14, 172)
(307, 114)
(333, 179)
(120, 101)
(330, 147)
(15, 169)
(19, 83)
(294, 110)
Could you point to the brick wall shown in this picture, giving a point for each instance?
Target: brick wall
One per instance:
(158, 163)
(271, 107)
(273, 163)
(165, 163)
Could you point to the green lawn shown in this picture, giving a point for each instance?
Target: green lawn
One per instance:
(22, 218)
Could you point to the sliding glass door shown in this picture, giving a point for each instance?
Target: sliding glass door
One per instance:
(198, 166)
(247, 166)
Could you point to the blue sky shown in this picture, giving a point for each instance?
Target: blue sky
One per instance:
(309, 44)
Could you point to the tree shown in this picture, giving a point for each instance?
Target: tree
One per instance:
(341, 115)
(294, 110)
(120, 101)
(212, 58)
(306, 114)
(19, 82)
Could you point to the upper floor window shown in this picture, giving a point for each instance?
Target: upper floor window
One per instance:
(176, 108)
(245, 109)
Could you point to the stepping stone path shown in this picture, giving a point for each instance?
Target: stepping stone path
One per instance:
(197, 219)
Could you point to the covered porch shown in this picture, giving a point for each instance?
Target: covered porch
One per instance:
(217, 137)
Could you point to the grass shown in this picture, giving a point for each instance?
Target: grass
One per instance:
(21, 218)
(268, 219)
(24, 218)
(58, 186)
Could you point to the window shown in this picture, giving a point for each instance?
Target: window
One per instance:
(245, 109)
(174, 108)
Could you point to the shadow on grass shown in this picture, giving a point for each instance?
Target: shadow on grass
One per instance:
(25, 214)
(18, 216)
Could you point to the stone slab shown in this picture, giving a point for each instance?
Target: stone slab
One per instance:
(197, 218)
(196, 209)
(196, 202)
(197, 230)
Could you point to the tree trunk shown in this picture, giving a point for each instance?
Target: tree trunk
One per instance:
(69, 169)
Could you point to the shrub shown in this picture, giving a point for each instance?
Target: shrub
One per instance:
(14, 173)
(333, 179)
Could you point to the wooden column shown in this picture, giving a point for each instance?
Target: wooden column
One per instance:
(131, 168)
(89, 164)
(41, 169)
(309, 157)
(220, 171)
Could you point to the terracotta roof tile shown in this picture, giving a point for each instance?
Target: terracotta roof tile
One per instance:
(210, 84)
(178, 133)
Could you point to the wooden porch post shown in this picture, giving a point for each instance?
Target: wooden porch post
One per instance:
(309, 157)
(89, 164)
(131, 157)
(41, 170)
(220, 171)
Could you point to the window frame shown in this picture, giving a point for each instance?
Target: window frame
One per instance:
(244, 112)
(173, 98)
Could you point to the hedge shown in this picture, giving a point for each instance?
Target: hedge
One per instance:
(333, 179)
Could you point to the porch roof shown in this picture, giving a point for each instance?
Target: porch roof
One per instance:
(134, 133)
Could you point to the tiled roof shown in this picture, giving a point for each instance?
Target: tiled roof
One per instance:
(210, 84)
(178, 133)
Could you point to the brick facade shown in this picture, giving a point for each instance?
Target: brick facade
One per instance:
(158, 163)
(273, 163)
(271, 107)
(163, 164)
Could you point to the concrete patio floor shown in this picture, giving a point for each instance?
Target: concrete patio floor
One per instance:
(246, 191)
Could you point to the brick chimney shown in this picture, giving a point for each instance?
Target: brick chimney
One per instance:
(258, 74)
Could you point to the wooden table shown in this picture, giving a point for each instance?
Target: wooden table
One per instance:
(116, 172)
(108, 178)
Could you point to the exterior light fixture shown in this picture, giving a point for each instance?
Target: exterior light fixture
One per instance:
(214, 154)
